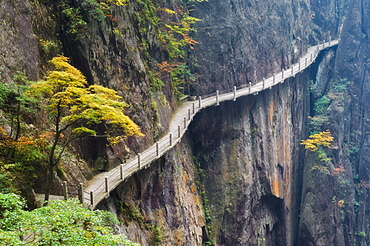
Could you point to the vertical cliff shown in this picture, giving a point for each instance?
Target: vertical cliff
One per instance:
(339, 201)
(240, 175)
(248, 151)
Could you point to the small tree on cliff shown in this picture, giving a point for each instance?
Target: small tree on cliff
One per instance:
(75, 108)
(316, 142)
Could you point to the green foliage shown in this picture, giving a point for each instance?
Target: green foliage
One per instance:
(341, 85)
(19, 156)
(334, 99)
(321, 104)
(11, 208)
(361, 234)
(174, 28)
(60, 223)
(94, 9)
(49, 46)
(134, 214)
(353, 148)
(72, 18)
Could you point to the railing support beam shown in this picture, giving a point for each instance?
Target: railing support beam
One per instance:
(217, 98)
(81, 193)
(234, 94)
(157, 148)
(65, 190)
(139, 160)
(106, 184)
(122, 175)
(92, 198)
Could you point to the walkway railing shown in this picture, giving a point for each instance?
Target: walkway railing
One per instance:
(100, 187)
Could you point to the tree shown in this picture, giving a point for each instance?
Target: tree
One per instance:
(60, 223)
(318, 139)
(75, 108)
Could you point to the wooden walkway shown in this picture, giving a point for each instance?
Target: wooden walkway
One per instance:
(100, 187)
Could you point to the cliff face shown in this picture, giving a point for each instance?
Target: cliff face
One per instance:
(249, 161)
(248, 153)
(239, 176)
(244, 41)
(340, 202)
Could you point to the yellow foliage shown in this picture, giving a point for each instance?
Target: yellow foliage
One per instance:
(168, 11)
(68, 96)
(118, 2)
(319, 139)
(340, 203)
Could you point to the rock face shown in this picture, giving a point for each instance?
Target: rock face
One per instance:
(240, 175)
(341, 204)
(248, 152)
(161, 205)
(244, 41)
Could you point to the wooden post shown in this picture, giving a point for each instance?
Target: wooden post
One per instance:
(91, 198)
(305, 62)
(200, 101)
(81, 193)
(65, 190)
(250, 87)
(234, 93)
(106, 184)
(138, 160)
(273, 78)
(282, 74)
(189, 114)
(299, 66)
(329, 40)
(311, 58)
(121, 172)
(292, 70)
(263, 83)
(193, 108)
(217, 99)
(170, 139)
(184, 122)
(178, 131)
(157, 148)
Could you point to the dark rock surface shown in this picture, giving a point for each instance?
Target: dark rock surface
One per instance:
(240, 176)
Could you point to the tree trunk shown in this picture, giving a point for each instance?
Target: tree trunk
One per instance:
(49, 182)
